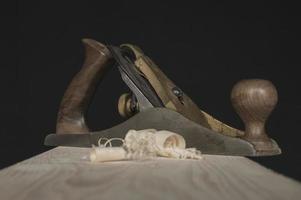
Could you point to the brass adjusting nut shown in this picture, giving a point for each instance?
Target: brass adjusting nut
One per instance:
(125, 105)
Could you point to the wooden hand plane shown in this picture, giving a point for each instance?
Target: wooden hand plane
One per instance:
(156, 102)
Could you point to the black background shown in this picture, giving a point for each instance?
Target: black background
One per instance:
(204, 47)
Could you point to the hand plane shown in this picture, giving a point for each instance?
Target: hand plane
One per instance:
(155, 102)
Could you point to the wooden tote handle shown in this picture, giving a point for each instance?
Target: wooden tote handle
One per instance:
(71, 115)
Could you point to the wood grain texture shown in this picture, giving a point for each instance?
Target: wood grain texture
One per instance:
(75, 102)
(254, 100)
(64, 173)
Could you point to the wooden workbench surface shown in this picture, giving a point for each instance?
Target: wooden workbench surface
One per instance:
(65, 173)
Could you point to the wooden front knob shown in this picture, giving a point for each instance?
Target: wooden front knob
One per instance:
(254, 100)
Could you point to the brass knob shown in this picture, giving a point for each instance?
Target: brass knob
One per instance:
(125, 105)
(254, 100)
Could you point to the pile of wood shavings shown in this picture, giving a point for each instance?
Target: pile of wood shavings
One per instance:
(144, 144)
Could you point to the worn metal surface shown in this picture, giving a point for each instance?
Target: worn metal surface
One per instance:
(164, 88)
(164, 119)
